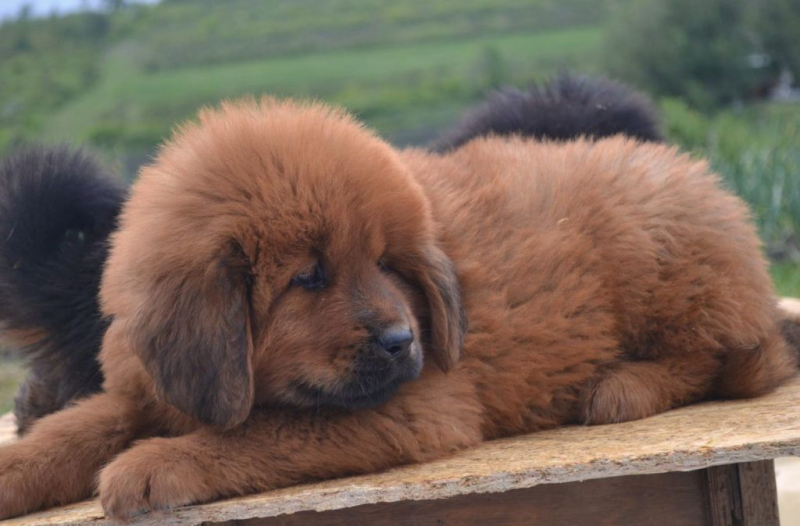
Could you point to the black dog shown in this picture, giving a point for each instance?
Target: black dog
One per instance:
(58, 207)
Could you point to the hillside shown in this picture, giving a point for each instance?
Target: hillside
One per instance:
(119, 81)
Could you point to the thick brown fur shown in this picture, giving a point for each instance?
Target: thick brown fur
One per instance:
(49, 286)
(268, 259)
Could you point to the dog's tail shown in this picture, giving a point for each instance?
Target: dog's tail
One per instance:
(57, 209)
(565, 107)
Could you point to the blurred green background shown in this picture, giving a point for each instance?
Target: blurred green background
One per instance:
(119, 76)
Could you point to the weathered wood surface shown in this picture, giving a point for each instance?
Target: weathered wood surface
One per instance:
(8, 428)
(699, 436)
(663, 499)
(689, 438)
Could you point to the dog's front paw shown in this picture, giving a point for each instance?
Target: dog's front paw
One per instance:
(150, 477)
(18, 495)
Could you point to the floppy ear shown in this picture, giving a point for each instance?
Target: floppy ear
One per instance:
(448, 320)
(194, 337)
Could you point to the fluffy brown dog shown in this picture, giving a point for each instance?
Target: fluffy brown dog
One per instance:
(280, 273)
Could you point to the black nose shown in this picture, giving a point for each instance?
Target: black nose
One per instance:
(396, 340)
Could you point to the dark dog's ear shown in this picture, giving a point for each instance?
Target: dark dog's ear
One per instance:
(193, 335)
(448, 321)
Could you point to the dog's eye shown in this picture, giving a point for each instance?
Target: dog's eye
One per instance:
(311, 280)
(383, 265)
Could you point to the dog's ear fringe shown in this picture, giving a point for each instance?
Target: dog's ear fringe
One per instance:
(194, 338)
(448, 320)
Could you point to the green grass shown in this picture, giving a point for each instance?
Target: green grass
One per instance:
(119, 80)
(787, 279)
(757, 151)
(242, 29)
(379, 84)
(11, 374)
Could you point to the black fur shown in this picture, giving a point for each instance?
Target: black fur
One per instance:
(566, 107)
(57, 209)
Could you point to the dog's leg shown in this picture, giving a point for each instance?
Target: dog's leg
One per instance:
(58, 460)
(277, 449)
(755, 371)
(634, 390)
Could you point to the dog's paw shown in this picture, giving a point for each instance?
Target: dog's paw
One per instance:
(17, 494)
(617, 397)
(149, 477)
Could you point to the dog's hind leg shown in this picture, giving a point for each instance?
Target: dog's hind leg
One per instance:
(637, 389)
(58, 460)
(757, 370)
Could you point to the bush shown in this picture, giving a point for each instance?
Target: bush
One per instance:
(777, 25)
(756, 152)
(702, 51)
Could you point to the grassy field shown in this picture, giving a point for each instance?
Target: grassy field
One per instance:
(11, 373)
(119, 81)
(394, 89)
(786, 276)
(757, 150)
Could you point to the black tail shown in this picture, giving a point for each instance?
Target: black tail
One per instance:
(57, 209)
(566, 107)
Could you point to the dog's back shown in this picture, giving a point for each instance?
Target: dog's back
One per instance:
(634, 246)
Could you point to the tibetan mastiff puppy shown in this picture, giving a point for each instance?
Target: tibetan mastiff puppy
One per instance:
(59, 206)
(291, 299)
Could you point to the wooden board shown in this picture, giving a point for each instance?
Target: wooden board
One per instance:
(694, 437)
(678, 498)
(665, 499)
(699, 436)
(742, 494)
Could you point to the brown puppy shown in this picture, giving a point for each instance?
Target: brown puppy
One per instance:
(280, 273)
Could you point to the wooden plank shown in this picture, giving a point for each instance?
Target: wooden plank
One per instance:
(791, 306)
(759, 492)
(742, 494)
(724, 500)
(8, 428)
(667, 499)
(689, 438)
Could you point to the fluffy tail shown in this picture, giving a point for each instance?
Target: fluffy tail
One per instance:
(57, 209)
(566, 107)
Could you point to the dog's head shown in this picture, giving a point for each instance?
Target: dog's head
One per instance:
(279, 253)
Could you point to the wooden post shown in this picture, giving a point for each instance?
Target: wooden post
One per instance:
(742, 494)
